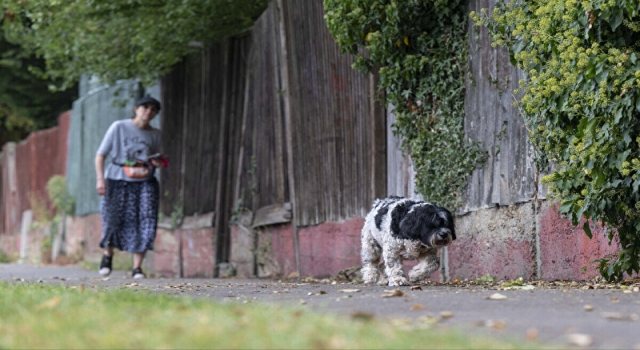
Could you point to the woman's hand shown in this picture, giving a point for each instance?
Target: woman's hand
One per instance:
(101, 187)
(159, 162)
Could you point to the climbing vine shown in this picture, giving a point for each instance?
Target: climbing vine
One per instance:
(419, 49)
(581, 103)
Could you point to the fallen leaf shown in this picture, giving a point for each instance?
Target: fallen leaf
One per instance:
(429, 319)
(579, 339)
(499, 325)
(497, 296)
(51, 303)
(349, 290)
(416, 288)
(401, 321)
(531, 334)
(293, 275)
(393, 293)
(446, 314)
(417, 307)
(320, 292)
(302, 302)
(588, 308)
(361, 315)
(527, 287)
(619, 316)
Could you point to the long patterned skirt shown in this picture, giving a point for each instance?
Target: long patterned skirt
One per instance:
(129, 215)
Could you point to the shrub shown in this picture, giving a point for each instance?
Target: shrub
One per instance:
(581, 104)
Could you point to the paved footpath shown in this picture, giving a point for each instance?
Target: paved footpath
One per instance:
(559, 314)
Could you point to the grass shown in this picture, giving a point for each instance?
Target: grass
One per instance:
(45, 316)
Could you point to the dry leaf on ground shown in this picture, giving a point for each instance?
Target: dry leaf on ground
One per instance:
(417, 307)
(361, 315)
(393, 293)
(497, 296)
(350, 290)
(499, 325)
(51, 303)
(619, 316)
(416, 288)
(446, 314)
(579, 339)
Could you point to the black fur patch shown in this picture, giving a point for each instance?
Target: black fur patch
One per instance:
(382, 211)
(380, 215)
(398, 213)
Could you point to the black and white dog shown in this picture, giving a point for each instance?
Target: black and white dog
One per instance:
(399, 228)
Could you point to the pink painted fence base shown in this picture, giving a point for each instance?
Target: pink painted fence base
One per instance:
(506, 243)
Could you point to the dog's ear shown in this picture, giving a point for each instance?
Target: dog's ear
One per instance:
(404, 225)
(411, 227)
(451, 225)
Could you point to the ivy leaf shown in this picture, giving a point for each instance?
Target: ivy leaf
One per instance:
(517, 47)
(598, 177)
(590, 71)
(618, 116)
(566, 206)
(616, 18)
(587, 229)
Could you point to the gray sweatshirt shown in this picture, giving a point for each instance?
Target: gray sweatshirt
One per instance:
(124, 141)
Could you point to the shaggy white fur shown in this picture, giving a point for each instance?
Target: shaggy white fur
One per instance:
(398, 229)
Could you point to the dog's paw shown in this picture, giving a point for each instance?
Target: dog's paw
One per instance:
(383, 281)
(415, 277)
(370, 276)
(398, 281)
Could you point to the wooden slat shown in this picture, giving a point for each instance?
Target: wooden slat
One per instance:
(272, 214)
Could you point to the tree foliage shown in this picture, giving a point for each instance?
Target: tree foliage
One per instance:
(26, 104)
(120, 39)
(582, 106)
(420, 50)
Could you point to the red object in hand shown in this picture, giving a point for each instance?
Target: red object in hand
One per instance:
(165, 162)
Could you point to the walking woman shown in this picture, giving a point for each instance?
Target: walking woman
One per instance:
(129, 189)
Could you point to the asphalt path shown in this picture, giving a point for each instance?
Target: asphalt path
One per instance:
(567, 315)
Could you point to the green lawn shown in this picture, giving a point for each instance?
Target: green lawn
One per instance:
(41, 316)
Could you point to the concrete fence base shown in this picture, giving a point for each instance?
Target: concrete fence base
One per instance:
(507, 242)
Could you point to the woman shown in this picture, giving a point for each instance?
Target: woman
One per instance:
(129, 190)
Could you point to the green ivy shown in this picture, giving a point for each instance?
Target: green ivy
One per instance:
(419, 48)
(581, 103)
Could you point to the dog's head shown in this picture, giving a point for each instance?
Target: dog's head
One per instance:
(430, 224)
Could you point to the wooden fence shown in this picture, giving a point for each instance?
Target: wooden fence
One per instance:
(272, 120)
(26, 168)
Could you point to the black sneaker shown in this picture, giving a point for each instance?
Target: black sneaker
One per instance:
(105, 265)
(137, 273)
